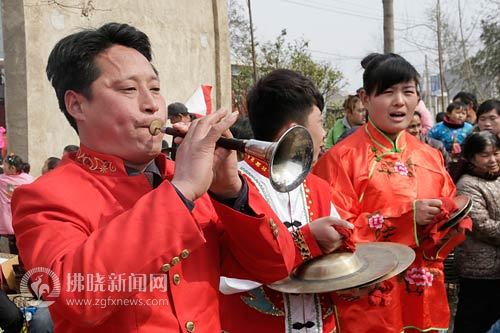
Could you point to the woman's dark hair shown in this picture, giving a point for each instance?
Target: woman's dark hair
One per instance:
(71, 64)
(278, 98)
(455, 105)
(466, 98)
(487, 106)
(477, 143)
(385, 70)
(18, 163)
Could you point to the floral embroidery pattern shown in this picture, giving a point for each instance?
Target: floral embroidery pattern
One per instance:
(399, 167)
(376, 221)
(383, 232)
(417, 278)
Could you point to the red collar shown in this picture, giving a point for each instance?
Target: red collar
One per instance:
(107, 164)
(258, 165)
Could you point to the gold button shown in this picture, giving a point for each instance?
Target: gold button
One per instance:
(190, 326)
(275, 233)
(177, 279)
(175, 261)
(184, 254)
(165, 268)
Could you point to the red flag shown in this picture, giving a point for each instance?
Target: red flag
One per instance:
(200, 103)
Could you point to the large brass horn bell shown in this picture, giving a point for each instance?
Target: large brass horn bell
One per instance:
(290, 158)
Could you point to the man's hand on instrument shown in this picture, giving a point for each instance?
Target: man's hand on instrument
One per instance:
(426, 210)
(198, 160)
(324, 233)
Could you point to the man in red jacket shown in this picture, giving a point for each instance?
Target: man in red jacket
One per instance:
(136, 244)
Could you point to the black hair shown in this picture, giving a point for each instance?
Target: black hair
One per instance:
(477, 143)
(487, 106)
(241, 129)
(466, 98)
(52, 162)
(70, 148)
(385, 70)
(472, 145)
(177, 108)
(440, 116)
(71, 64)
(18, 163)
(278, 98)
(417, 113)
(455, 105)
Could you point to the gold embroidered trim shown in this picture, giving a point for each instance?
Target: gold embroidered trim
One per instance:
(300, 242)
(94, 163)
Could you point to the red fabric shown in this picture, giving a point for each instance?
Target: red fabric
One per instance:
(311, 243)
(89, 217)
(347, 239)
(207, 95)
(381, 295)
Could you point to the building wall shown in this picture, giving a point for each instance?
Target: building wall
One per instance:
(190, 47)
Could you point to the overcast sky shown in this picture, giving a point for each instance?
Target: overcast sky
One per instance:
(344, 31)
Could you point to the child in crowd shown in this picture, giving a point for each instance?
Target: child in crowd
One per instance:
(453, 130)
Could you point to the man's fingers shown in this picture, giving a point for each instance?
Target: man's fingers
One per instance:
(433, 211)
(434, 203)
(225, 123)
(340, 222)
(215, 117)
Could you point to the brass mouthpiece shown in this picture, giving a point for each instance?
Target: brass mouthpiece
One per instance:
(155, 127)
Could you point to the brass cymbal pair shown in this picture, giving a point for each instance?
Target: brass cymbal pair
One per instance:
(371, 263)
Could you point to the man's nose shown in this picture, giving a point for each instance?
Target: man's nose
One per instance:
(149, 102)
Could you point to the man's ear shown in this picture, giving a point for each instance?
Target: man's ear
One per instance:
(75, 104)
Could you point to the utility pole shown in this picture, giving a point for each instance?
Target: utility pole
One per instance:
(427, 84)
(253, 43)
(388, 26)
(440, 52)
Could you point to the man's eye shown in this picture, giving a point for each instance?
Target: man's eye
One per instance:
(129, 89)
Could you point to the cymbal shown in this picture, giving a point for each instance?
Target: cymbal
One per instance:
(344, 270)
(464, 204)
(405, 256)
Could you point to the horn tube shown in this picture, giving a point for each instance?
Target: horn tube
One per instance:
(290, 158)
